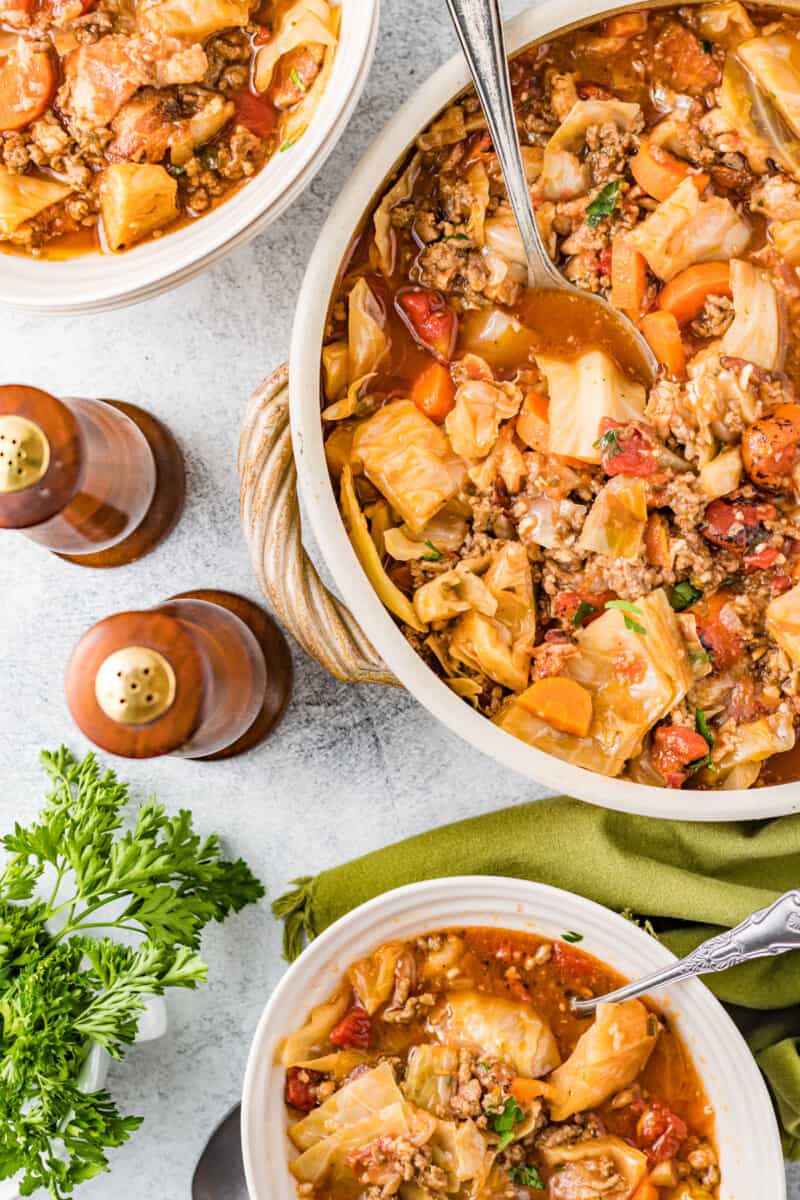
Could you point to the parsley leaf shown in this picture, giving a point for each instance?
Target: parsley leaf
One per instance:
(684, 595)
(504, 1120)
(584, 610)
(701, 721)
(572, 937)
(434, 555)
(627, 608)
(67, 982)
(609, 444)
(603, 204)
(297, 81)
(527, 1176)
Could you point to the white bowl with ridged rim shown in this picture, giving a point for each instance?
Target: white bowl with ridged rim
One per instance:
(747, 1137)
(362, 189)
(98, 282)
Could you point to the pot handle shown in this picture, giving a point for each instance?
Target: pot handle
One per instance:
(270, 515)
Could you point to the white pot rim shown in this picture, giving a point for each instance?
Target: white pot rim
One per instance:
(387, 150)
(747, 1133)
(98, 282)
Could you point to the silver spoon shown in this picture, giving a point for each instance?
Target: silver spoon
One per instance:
(219, 1174)
(771, 930)
(480, 31)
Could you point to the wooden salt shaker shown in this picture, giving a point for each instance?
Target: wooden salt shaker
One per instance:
(98, 482)
(205, 675)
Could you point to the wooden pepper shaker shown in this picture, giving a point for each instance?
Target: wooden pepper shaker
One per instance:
(205, 675)
(98, 482)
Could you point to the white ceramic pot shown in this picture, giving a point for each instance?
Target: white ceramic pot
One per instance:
(747, 1135)
(97, 282)
(366, 182)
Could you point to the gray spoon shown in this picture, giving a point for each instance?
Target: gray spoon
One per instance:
(771, 930)
(219, 1174)
(480, 31)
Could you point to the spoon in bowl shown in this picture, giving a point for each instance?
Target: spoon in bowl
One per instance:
(771, 930)
(480, 31)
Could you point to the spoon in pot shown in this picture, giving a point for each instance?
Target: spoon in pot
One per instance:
(771, 930)
(219, 1174)
(480, 31)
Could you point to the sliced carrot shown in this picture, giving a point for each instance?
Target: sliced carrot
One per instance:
(433, 392)
(646, 1191)
(562, 703)
(27, 84)
(626, 24)
(628, 277)
(525, 1091)
(658, 172)
(685, 295)
(663, 336)
(656, 542)
(532, 424)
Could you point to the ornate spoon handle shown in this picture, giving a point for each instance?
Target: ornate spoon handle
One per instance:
(771, 930)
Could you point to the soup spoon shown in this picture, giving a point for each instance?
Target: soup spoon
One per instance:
(219, 1174)
(480, 31)
(771, 930)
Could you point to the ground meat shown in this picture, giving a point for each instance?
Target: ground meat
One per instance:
(715, 318)
(470, 278)
(387, 1162)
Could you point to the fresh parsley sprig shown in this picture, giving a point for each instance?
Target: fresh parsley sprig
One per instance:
(73, 881)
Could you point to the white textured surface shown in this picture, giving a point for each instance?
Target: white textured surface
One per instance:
(350, 769)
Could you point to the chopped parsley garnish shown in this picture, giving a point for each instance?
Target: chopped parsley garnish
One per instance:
(434, 555)
(608, 444)
(584, 610)
(175, 171)
(697, 657)
(456, 237)
(527, 1176)
(287, 145)
(297, 81)
(572, 937)
(684, 595)
(603, 204)
(707, 45)
(504, 1121)
(627, 609)
(701, 722)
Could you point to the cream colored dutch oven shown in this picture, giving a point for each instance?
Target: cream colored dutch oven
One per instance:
(358, 641)
(97, 282)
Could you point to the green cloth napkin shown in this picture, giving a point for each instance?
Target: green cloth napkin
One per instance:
(690, 879)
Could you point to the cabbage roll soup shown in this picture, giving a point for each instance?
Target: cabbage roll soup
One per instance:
(451, 1066)
(121, 118)
(608, 570)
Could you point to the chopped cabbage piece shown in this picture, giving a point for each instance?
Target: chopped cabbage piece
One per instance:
(410, 461)
(335, 368)
(373, 977)
(756, 333)
(474, 422)
(727, 23)
(338, 1064)
(362, 1097)
(431, 1077)
(24, 196)
(607, 1058)
(194, 20)
(722, 475)
(758, 740)
(685, 229)
(308, 22)
(312, 1039)
(582, 392)
(367, 342)
(460, 1151)
(325, 1161)
(135, 200)
(500, 1028)
(575, 1161)
(775, 62)
(510, 581)
(752, 124)
(563, 175)
(635, 680)
(783, 622)
(361, 538)
(478, 184)
(487, 645)
(617, 519)
(384, 234)
(452, 593)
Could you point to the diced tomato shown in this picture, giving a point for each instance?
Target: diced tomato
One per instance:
(771, 447)
(566, 605)
(719, 634)
(572, 963)
(263, 36)
(762, 560)
(429, 320)
(300, 1088)
(255, 113)
(594, 91)
(354, 1030)
(674, 748)
(628, 448)
(681, 62)
(660, 1132)
(736, 523)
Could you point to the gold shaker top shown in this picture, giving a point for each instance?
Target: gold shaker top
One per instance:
(24, 453)
(135, 685)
